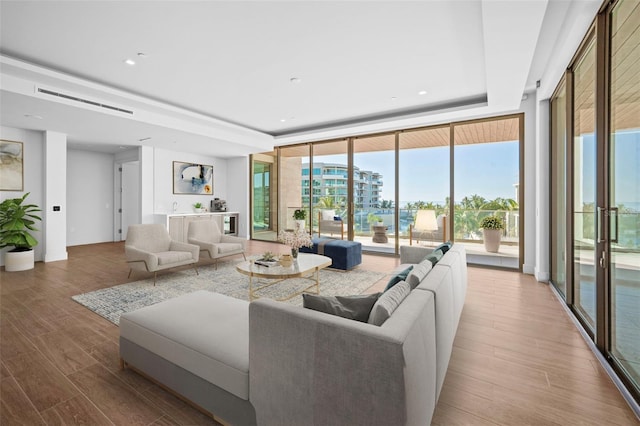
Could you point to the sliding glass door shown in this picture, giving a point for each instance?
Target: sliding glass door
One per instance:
(584, 186)
(601, 176)
(374, 192)
(264, 197)
(558, 216)
(624, 188)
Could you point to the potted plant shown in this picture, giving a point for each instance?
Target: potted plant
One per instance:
(198, 207)
(492, 227)
(300, 216)
(374, 219)
(16, 220)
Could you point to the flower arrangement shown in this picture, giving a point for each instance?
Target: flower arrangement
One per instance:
(295, 239)
(492, 222)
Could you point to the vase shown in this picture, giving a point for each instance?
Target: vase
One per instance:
(294, 253)
(491, 239)
(286, 260)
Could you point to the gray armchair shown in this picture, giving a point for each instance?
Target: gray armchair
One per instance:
(327, 224)
(207, 236)
(149, 248)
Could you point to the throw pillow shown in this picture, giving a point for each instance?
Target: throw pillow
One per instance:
(352, 307)
(444, 247)
(434, 257)
(388, 302)
(400, 276)
(419, 272)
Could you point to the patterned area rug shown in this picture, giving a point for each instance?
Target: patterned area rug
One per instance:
(112, 302)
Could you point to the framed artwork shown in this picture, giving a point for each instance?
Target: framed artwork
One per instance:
(190, 178)
(11, 166)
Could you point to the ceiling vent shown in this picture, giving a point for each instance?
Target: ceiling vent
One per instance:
(82, 100)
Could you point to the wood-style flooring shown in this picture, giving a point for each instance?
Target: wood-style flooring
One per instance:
(517, 359)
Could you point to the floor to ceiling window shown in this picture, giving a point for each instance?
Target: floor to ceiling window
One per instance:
(374, 192)
(584, 181)
(424, 197)
(601, 177)
(624, 188)
(263, 197)
(393, 189)
(487, 184)
(558, 217)
(330, 189)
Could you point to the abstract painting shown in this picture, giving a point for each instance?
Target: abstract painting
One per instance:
(11, 166)
(190, 178)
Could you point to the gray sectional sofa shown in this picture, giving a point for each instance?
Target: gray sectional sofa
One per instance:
(271, 363)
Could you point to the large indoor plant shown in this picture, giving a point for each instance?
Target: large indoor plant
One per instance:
(16, 220)
(492, 227)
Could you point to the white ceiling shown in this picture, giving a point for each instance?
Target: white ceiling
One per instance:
(216, 76)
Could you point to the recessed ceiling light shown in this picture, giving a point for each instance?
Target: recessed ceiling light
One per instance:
(393, 98)
(282, 120)
(295, 80)
(142, 55)
(422, 92)
(129, 62)
(35, 117)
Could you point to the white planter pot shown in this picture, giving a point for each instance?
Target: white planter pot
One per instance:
(300, 224)
(18, 260)
(492, 239)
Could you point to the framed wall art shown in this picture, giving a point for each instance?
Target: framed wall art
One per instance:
(190, 178)
(11, 166)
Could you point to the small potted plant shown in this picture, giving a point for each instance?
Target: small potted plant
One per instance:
(16, 220)
(198, 207)
(300, 216)
(492, 227)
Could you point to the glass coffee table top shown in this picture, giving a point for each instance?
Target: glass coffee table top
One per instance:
(306, 266)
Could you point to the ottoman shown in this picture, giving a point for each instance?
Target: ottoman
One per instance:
(344, 254)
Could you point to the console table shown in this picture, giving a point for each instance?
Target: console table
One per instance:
(178, 223)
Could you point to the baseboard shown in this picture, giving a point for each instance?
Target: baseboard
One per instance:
(64, 255)
(527, 269)
(541, 276)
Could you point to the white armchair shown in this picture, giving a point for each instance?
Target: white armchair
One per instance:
(149, 248)
(328, 224)
(207, 236)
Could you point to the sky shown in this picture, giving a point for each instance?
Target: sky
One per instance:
(489, 170)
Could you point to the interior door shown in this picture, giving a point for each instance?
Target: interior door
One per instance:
(130, 196)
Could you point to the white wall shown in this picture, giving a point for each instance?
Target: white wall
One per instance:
(90, 200)
(238, 191)
(55, 196)
(33, 169)
(528, 106)
(163, 181)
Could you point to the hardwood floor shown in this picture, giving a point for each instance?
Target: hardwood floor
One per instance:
(517, 357)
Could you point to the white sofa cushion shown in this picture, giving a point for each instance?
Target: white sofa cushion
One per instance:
(328, 214)
(418, 273)
(388, 302)
(205, 333)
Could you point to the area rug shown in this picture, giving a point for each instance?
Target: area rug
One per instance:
(112, 302)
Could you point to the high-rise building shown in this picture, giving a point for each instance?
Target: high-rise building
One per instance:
(330, 181)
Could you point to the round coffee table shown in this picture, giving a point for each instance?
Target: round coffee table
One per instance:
(306, 266)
